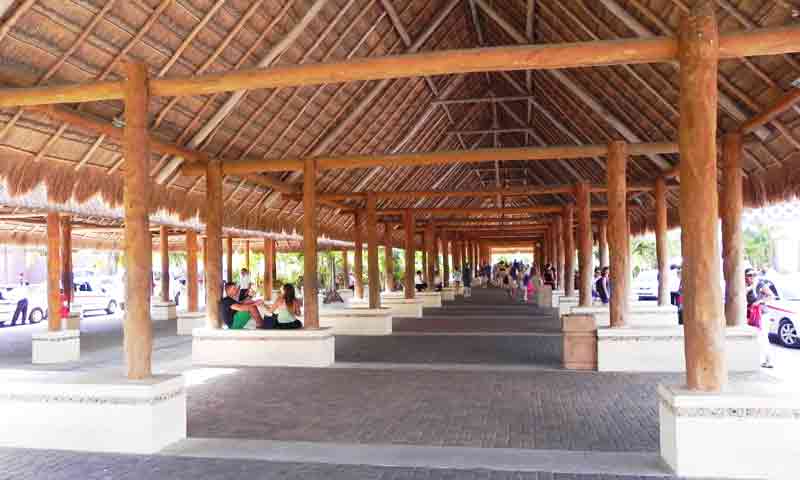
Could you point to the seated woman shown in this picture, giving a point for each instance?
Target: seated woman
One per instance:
(236, 314)
(288, 308)
(419, 283)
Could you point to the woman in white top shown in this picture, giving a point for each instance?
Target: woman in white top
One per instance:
(419, 282)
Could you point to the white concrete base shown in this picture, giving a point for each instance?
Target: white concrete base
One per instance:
(345, 293)
(73, 320)
(652, 349)
(641, 314)
(263, 348)
(429, 299)
(163, 311)
(99, 412)
(357, 321)
(750, 430)
(448, 294)
(544, 296)
(56, 347)
(188, 321)
(398, 306)
(566, 304)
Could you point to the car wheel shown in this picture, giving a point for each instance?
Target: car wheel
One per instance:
(36, 315)
(787, 334)
(111, 308)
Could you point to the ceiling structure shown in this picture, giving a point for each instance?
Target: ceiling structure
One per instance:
(47, 42)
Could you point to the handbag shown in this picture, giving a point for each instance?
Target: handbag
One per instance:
(754, 316)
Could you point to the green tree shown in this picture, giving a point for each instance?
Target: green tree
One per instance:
(758, 245)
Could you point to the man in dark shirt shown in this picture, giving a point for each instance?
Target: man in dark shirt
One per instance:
(237, 314)
(602, 286)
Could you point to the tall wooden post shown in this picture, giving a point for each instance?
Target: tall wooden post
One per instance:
(408, 226)
(358, 258)
(269, 267)
(569, 250)
(213, 260)
(164, 249)
(229, 245)
(138, 333)
(445, 259)
(345, 269)
(732, 248)
(247, 255)
(310, 297)
(66, 258)
(662, 254)
(431, 260)
(560, 251)
(456, 246)
(53, 272)
(192, 287)
(704, 324)
(585, 264)
(437, 266)
(618, 232)
(602, 241)
(388, 255)
(373, 267)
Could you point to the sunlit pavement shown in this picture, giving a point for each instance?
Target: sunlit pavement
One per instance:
(786, 363)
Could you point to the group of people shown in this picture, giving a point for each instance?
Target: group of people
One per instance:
(239, 310)
(464, 277)
(521, 281)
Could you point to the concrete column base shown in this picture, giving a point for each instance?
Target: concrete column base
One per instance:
(566, 304)
(345, 293)
(163, 311)
(97, 412)
(188, 321)
(639, 315)
(263, 348)
(56, 347)
(580, 342)
(448, 294)
(751, 430)
(73, 320)
(398, 306)
(429, 299)
(357, 321)
(641, 349)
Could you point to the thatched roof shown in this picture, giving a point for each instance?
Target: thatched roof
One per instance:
(56, 41)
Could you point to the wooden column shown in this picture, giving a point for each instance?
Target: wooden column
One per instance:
(310, 297)
(732, 247)
(560, 252)
(704, 324)
(569, 250)
(431, 260)
(662, 254)
(138, 332)
(585, 264)
(408, 226)
(373, 268)
(358, 258)
(192, 286)
(66, 258)
(164, 250)
(345, 269)
(618, 232)
(437, 266)
(388, 257)
(445, 259)
(602, 241)
(456, 246)
(269, 267)
(53, 272)
(424, 260)
(213, 259)
(229, 246)
(247, 255)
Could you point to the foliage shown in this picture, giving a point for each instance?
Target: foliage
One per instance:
(758, 245)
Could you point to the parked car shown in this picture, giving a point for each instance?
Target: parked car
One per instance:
(645, 285)
(10, 295)
(783, 315)
(99, 294)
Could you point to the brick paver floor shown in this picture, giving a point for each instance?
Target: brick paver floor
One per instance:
(531, 409)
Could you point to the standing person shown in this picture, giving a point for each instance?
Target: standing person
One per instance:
(244, 284)
(758, 294)
(548, 277)
(597, 275)
(437, 281)
(21, 312)
(466, 279)
(603, 286)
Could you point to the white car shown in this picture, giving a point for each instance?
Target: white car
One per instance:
(99, 294)
(645, 286)
(10, 295)
(783, 315)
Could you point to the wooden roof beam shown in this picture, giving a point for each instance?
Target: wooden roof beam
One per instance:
(770, 113)
(458, 101)
(768, 41)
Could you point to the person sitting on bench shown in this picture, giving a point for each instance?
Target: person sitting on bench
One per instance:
(419, 282)
(237, 314)
(288, 308)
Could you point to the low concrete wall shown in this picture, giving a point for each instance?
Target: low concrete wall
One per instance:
(163, 311)
(653, 349)
(357, 321)
(399, 307)
(56, 347)
(263, 348)
(188, 321)
(429, 299)
(580, 342)
(100, 412)
(639, 315)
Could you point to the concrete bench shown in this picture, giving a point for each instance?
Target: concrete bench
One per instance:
(640, 314)
(61, 346)
(429, 299)
(448, 294)
(398, 306)
(263, 348)
(163, 311)
(566, 304)
(661, 349)
(357, 321)
(99, 411)
(188, 321)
